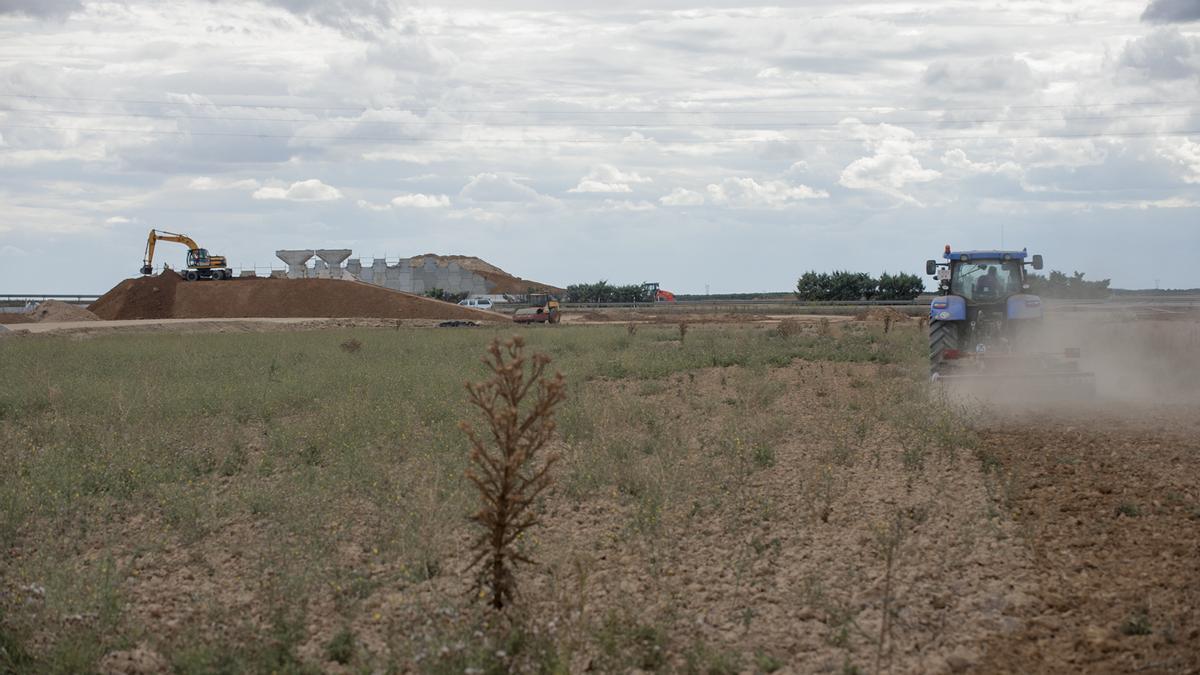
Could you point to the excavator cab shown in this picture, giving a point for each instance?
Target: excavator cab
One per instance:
(198, 257)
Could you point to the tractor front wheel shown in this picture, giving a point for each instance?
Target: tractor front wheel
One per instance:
(943, 337)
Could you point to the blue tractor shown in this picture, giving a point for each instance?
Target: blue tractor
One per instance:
(984, 323)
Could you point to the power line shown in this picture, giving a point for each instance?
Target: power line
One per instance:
(656, 125)
(785, 111)
(473, 141)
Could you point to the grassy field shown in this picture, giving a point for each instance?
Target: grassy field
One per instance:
(295, 501)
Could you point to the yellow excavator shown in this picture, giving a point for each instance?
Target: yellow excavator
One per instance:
(200, 265)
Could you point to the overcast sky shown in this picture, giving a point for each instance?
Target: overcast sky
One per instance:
(723, 145)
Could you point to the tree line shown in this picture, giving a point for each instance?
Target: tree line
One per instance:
(1072, 287)
(602, 291)
(844, 285)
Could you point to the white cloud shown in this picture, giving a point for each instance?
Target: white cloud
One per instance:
(411, 200)
(491, 187)
(392, 156)
(311, 190)
(372, 206)
(608, 178)
(957, 159)
(682, 197)
(891, 168)
(205, 183)
(989, 75)
(626, 205)
(420, 201)
(10, 251)
(1186, 154)
(117, 220)
(747, 192)
(1164, 54)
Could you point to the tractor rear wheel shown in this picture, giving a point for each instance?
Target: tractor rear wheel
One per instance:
(943, 337)
(192, 275)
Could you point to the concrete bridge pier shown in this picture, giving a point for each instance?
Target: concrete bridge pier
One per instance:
(295, 261)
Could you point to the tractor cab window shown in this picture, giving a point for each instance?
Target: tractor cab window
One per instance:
(986, 280)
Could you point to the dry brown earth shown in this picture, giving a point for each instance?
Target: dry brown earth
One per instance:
(167, 296)
(56, 311)
(1108, 504)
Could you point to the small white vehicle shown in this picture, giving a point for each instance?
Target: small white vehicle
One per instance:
(477, 303)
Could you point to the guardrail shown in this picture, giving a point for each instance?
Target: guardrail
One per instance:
(73, 298)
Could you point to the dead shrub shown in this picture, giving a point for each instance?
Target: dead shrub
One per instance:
(505, 469)
(789, 327)
(683, 329)
(631, 328)
(351, 346)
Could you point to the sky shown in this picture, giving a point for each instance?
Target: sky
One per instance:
(712, 147)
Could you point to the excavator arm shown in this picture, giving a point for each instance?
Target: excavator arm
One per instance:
(159, 235)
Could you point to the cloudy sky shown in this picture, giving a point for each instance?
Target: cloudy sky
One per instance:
(720, 145)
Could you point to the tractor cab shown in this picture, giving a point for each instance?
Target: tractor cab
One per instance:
(982, 277)
(985, 281)
(651, 292)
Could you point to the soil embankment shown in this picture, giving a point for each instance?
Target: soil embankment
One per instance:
(50, 311)
(167, 296)
(54, 311)
(502, 282)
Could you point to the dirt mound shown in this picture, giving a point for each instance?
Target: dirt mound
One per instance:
(504, 282)
(55, 311)
(141, 298)
(15, 317)
(164, 297)
(882, 314)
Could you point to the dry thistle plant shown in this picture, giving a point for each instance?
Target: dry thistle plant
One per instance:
(631, 328)
(505, 468)
(683, 329)
(789, 327)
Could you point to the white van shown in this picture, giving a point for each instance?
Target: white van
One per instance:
(477, 303)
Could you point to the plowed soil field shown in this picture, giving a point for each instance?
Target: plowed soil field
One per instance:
(1108, 504)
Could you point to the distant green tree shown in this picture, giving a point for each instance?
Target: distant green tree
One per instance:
(601, 291)
(848, 285)
(1072, 287)
(813, 286)
(901, 286)
(629, 293)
